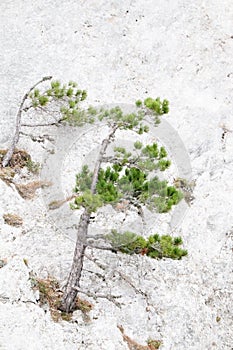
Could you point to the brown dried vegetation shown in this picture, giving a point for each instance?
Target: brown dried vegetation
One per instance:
(133, 345)
(3, 262)
(51, 294)
(19, 160)
(13, 220)
(27, 191)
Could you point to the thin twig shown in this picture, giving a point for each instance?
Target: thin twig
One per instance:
(94, 260)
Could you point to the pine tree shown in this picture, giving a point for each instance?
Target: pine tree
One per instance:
(128, 175)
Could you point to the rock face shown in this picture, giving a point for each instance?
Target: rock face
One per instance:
(119, 52)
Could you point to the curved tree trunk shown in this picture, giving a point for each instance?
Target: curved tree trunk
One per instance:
(70, 294)
(21, 109)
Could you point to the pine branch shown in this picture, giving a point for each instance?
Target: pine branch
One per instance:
(112, 249)
(46, 124)
(38, 138)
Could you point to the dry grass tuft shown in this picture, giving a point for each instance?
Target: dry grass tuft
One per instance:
(7, 174)
(13, 220)
(28, 191)
(133, 345)
(18, 160)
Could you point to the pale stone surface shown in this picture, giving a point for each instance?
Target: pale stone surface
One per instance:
(121, 51)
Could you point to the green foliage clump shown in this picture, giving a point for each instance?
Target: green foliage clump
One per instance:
(138, 145)
(138, 103)
(127, 242)
(151, 151)
(161, 196)
(156, 105)
(106, 187)
(156, 246)
(153, 193)
(88, 200)
(151, 157)
(68, 97)
(131, 121)
(132, 184)
(163, 164)
(121, 152)
(165, 247)
(162, 153)
(83, 180)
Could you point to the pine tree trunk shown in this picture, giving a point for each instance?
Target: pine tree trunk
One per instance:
(21, 109)
(70, 294)
(69, 298)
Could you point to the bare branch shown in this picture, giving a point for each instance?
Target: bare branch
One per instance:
(137, 290)
(128, 162)
(112, 249)
(15, 139)
(95, 261)
(46, 124)
(109, 297)
(38, 138)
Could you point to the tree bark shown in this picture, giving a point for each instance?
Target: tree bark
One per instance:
(69, 297)
(72, 286)
(15, 139)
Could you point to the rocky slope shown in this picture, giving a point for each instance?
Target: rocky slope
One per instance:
(121, 51)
